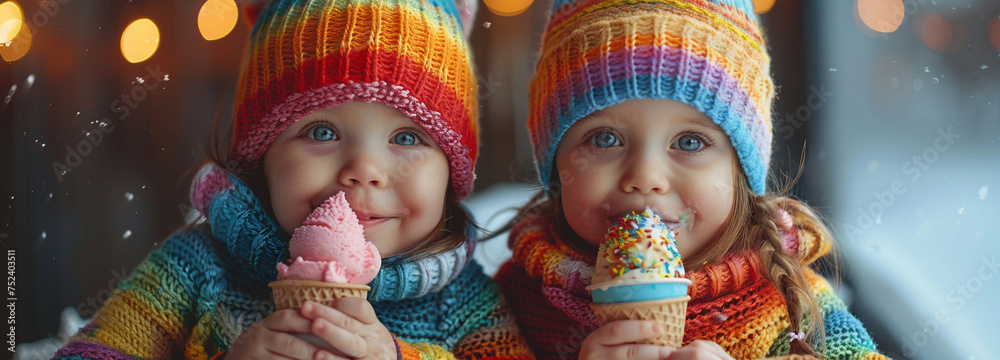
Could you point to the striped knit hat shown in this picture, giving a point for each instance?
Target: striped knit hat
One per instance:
(707, 54)
(406, 54)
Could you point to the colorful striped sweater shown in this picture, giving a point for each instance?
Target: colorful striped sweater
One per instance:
(732, 302)
(196, 294)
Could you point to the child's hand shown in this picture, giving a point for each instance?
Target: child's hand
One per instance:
(700, 350)
(272, 338)
(616, 340)
(350, 326)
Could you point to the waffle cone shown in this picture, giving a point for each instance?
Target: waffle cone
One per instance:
(291, 294)
(668, 312)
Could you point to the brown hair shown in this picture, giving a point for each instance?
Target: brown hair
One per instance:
(752, 224)
(450, 232)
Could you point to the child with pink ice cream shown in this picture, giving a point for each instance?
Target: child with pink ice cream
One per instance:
(330, 246)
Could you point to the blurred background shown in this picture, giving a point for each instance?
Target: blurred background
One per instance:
(107, 104)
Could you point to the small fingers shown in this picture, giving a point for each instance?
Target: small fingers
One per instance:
(641, 351)
(289, 346)
(701, 350)
(627, 331)
(339, 338)
(358, 308)
(326, 355)
(288, 321)
(338, 318)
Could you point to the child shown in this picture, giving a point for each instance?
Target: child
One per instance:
(667, 104)
(375, 99)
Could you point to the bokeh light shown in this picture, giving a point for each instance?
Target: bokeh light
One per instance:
(936, 33)
(508, 7)
(217, 18)
(993, 31)
(140, 40)
(18, 47)
(762, 6)
(883, 16)
(11, 21)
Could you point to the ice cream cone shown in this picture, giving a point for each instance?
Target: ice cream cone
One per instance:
(291, 294)
(670, 313)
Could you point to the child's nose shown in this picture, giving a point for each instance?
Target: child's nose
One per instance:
(363, 170)
(645, 174)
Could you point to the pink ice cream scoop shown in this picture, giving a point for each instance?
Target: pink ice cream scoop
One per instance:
(330, 246)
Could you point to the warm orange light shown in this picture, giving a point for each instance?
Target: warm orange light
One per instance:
(936, 33)
(508, 7)
(11, 21)
(883, 16)
(217, 18)
(18, 47)
(762, 6)
(993, 31)
(140, 40)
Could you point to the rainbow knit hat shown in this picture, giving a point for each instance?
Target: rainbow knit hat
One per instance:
(707, 54)
(406, 54)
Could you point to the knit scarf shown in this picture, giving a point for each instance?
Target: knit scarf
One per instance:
(732, 302)
(257, 243)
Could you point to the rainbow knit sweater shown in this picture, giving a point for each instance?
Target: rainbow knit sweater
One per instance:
(195, 295)
(732, 302)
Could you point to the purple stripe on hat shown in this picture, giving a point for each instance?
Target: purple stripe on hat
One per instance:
(89, 350)
(654, 60)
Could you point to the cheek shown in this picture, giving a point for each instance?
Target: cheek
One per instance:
(583, 202)
(423, 189)
(711, 205)
(292, 180)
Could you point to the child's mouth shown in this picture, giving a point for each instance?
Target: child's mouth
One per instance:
(369, 220)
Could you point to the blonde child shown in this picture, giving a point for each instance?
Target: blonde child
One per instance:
(373, 98)
(667, 104)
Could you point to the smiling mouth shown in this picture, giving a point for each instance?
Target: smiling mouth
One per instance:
(367, 221)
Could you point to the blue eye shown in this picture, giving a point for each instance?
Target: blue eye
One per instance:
(406, 138)
(321, 133)
(605, 139)
(689, 143)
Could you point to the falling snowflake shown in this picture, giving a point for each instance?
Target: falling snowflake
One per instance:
(166, 77)
(983, 191)
(129, 196)
(833, 69)
(878, 220)
(10, 94)
(961, 210)
(43, 235)
(984, 67)
(487, 24)
(139, 79)
(126, 235)
(927, 69)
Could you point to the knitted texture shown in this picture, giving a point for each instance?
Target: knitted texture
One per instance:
(732, 302)
(195, 295)
(406, 54)
(707, 54)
